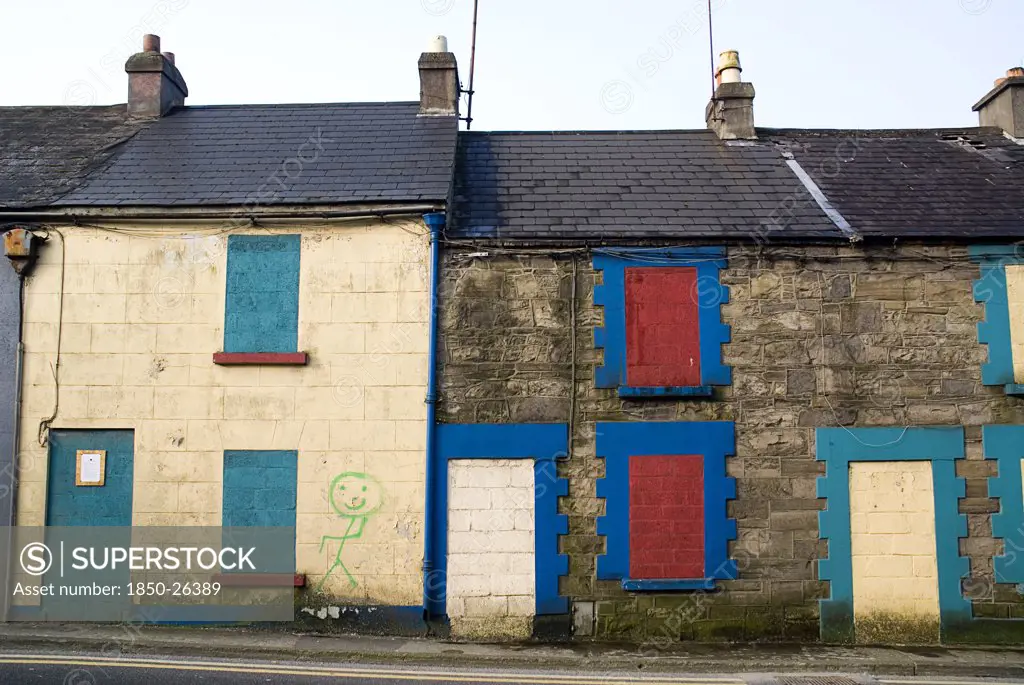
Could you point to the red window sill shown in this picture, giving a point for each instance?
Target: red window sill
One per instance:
(260, 358)
(260, 579)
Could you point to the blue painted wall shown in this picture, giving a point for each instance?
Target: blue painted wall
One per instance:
(109, 504)
(260, 488)
(261, 309)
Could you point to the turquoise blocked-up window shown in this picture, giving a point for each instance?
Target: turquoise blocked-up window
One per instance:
(261, 309)
(260, 488)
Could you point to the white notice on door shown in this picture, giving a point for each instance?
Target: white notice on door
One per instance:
(90, 468)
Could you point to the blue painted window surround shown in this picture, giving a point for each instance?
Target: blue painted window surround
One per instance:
(261, 310)
(545, 443)
(1005, 445)
(712, 440)
(994, 331)
(837, 447)
(611, 295)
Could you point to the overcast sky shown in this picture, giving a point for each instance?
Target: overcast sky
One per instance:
(541, 64)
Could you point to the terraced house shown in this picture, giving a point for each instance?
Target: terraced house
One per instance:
(784, 363)
(231, 302)
(731, 383)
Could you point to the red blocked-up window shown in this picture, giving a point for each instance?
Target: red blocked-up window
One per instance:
(666, 517)
(662, 327)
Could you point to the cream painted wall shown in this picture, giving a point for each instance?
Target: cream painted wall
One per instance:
(1015, 301)
(892, 530)
(143, 313)
(492, 589)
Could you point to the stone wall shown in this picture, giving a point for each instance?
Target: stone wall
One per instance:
(821, 336)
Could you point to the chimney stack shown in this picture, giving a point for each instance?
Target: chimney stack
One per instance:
(439, 80)
(1003, 107)
(155, 85)
(730, 114)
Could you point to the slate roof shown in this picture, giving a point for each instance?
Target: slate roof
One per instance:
(628, 184)
(281, 154)
(225, 155)
(689, 184)
(916, 183)
(46, 151)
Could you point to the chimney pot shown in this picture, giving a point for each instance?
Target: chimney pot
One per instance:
(438, 44)
(439, 80)
(1003, 106)
(730, 114)
(155, 86)
(729, 69)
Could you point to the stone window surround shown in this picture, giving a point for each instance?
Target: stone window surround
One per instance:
(611, 295)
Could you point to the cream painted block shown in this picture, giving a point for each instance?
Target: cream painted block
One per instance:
(259, 403)
(78, 278)
(140, 338)
(260, 434)
(41, 307)
(396, 338)
(413, 306)
(156, 369)
(111, 278)
(291, 376)
(398, 403)
(74, 337)
(200, 497)
(411, 435)
(325, 402)
(350, 308)
(893, 555)
(315, 435)
(363, 435)
(94, 308)
(92, 369)
(203, 435)
(1015, 301)
(43, 337)
(332, 277)
(118, 402)
(159, 436)
(188, 338)
(332, 338)
(109, 337)
(188, 403)
(411, 369)
(155, 498)
(178, 467)
(166, 305)
(91, 246)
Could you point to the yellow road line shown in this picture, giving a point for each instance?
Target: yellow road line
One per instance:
(351, 672)
(980, 681)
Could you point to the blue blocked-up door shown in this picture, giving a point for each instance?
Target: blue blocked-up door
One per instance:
(109, 504)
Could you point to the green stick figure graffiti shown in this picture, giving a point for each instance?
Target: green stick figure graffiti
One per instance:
(355, 497)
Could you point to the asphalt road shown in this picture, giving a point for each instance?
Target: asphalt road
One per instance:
(84, 670)
(32, 668)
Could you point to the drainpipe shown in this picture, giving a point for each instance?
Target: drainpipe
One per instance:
(432, 605)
